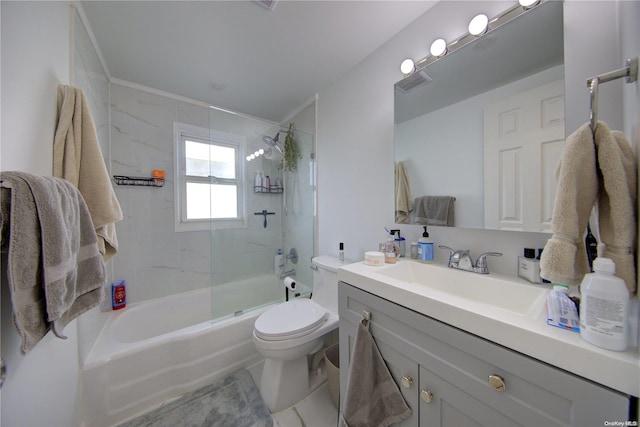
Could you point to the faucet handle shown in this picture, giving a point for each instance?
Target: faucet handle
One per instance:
(451, 251)
(481, 263)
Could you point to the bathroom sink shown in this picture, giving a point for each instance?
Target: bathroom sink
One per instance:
(490, 289)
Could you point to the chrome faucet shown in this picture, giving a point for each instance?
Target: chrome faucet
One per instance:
(461, 260)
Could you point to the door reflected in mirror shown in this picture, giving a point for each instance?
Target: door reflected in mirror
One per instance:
(484, 126)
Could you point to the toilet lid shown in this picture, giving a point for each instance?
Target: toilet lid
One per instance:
(292, 319)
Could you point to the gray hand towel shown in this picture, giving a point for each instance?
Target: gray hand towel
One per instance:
(373, 397)
(434, 210)
(55, 269)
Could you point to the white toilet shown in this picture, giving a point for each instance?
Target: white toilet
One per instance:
(286, 333)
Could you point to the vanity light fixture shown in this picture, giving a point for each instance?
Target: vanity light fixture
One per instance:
(407, 66)
(438, 48)
(528, 4)
(479, 25)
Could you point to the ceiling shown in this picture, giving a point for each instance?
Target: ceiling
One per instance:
(240, 55)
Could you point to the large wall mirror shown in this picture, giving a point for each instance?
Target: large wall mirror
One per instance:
(479, 132)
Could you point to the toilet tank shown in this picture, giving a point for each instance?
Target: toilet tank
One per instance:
(325, 281)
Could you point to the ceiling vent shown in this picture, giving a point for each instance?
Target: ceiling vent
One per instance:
(268, 4)
(413, 81)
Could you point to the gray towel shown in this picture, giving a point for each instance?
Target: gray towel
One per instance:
(434, 210)
(55, 269)
(373, 397)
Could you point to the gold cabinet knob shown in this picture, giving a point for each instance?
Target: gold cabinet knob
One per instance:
(406, 381)
(426, 395)
(497, 382)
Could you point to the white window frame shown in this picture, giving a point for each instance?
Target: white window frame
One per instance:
(182, 131)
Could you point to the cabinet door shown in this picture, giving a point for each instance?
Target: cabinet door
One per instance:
(445, 404)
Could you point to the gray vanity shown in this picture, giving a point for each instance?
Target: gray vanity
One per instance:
(463, 362)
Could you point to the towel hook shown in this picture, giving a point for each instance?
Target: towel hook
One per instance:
(366, 315)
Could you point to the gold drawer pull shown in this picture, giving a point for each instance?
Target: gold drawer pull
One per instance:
(497, 382)
(406, 381)
(426, 395)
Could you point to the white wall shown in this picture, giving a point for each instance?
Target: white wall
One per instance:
(40, 388)
(355, 137)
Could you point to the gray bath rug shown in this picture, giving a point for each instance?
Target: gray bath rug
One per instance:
(233, 401)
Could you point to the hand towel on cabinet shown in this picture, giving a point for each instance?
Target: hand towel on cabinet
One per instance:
(373, 397)
(78, 159)
(55, 269)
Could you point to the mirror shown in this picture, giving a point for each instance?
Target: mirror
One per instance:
(484, 127)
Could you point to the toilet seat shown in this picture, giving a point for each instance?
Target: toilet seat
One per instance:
(292, 319)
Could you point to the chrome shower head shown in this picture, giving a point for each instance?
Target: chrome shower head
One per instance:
(272, 142)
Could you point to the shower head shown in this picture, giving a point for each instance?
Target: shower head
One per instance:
(272, 142)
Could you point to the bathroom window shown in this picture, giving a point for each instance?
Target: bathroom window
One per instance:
(209, 186)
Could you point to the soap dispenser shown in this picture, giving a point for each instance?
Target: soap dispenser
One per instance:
(425, 247)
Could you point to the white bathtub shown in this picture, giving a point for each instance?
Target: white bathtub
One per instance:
(150, 352)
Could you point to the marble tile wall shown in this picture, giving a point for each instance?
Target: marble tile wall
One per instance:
(154, 259)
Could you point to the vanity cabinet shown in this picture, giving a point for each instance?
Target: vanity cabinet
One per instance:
(452, 378)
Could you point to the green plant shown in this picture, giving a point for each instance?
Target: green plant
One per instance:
(291, 152)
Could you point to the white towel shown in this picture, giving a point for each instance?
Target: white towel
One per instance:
(373, 397)
(612, 182)
(403, 194)
(78, 159)
(617, 195)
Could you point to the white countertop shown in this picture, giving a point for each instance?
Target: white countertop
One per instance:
(529, 335)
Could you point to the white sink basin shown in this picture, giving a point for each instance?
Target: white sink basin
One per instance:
(490, 289)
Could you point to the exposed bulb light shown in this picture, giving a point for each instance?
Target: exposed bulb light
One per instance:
(478, 24)
(407, 66)
(261, 151)
(248, 158)
(528, 4)
(252, 156)
(438, 48)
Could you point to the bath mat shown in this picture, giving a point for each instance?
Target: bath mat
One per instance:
(232, 401)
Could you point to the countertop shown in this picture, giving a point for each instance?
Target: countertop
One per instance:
(529, 335)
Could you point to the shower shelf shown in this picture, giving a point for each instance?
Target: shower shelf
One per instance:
(270, 190)
(139, 181)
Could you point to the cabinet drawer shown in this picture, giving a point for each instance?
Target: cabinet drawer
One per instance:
(534, 393)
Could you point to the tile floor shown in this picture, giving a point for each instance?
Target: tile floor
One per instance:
(317, 410)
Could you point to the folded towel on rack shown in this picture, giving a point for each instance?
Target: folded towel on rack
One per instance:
(78, 159)
(564, 259)
(372, 397)
(434, 210)
(617, 195)
(55, 269)
(600, 169)
(403, 194)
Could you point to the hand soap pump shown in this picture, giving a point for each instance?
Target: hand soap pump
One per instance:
(425, 247)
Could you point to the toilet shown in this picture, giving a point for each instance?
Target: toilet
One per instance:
(287, 333)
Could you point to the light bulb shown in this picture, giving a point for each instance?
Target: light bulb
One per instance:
(253, 156)
(438, 48)
(248, 158)
(478, 24)
(528, 4)
(256, 154)
(261, 151)
(407, 66)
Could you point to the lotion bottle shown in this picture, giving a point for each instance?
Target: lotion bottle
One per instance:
(425, 247)
(604, 307)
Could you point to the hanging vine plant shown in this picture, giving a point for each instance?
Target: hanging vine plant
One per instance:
(291, 152)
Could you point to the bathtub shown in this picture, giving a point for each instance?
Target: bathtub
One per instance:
(156, 350)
